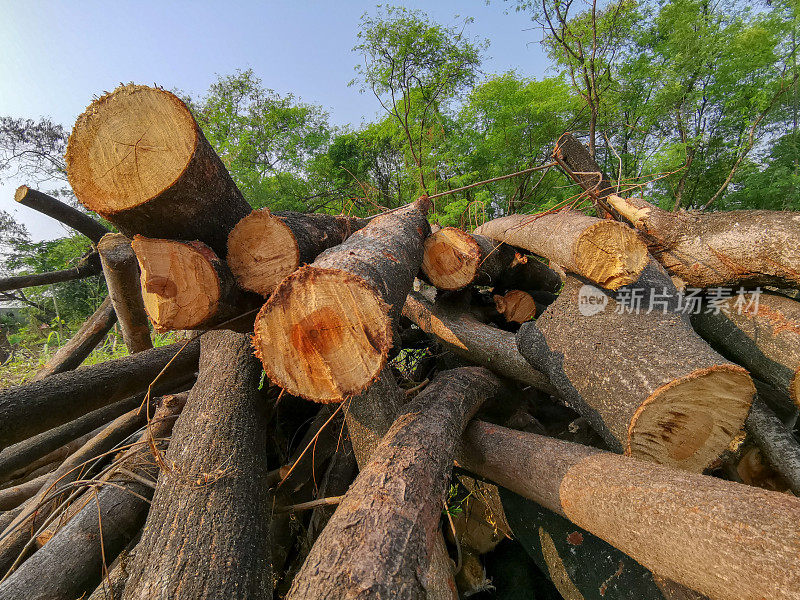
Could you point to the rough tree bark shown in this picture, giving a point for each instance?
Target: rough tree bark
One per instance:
(726, 540)
(326, 331)
(584, 170)
(138, 158)
(186, 286)
(266, 247)
(761, 333)
(106, 524)
(737, 247)
(377, 544)
(580, 564)
(454, 259)
(607, 253)
(80, 345)
(47, 205)
(646, 382)
(122, 277)
(470, 339)
(29, 409)
(207, 534)
(88, 266)
(776, 442)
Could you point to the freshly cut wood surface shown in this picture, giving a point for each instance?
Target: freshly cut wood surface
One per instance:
(726, 540)
(736, 247)
(516, 306)
(264, 247)
(186, 286)
(646, 382)
(607, 253)
(454, 259)
(121, 271)
(326, 331)
(462, 334)
(138, 158)
(760, 332)
(377, 544)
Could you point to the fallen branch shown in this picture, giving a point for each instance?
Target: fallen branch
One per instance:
(88, 266)
(47, 205)
(776, 442)
(74, 352)
(122, 277)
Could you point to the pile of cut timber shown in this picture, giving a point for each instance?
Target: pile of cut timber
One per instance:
(602, 449)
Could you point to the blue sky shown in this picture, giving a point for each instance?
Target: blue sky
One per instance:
(55, 56)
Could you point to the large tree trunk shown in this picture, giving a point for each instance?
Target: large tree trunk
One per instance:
(80, 345)
(607, 253)
(580, 564)
(326, 331)
(760, 332)
(88, 266)
(207, 534)
(138, 158)
(47, 205)
(122, 277)
(104, 526)
(186, 286)
(737, 247)
(464, 335)
(266, 247)
(29, 409)
(30, 451)
(454, 259)
(723, 539)
(378, 542)
(646, 382)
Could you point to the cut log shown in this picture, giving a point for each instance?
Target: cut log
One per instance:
(723, 539)
(326, 331)
(113, 585)
(88, 266)
(103, 527)
(210, 512)
(29, 409)
(776, 442)
(377, 542)
(33, 514)
(42, 446)
(583, 169)
(186, 286)
(580, 564)
(455, 259)
(138, 158)
(122, 277)
(607, 253)
(515, 306)
(760, 332)
(264, 247)
(465, 336)
(737, 247)
(80, 345)
(646, 382)
(47, 205)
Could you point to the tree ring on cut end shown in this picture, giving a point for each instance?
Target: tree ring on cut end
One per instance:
(610, 254)
(451, 258)
(180, 287)
(689, 422)
(324, 334)
(262, 252)
(128, 147)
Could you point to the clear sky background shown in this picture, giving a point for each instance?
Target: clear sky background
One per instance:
(56, 55)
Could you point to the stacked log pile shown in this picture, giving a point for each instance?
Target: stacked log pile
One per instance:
(372, 409)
